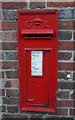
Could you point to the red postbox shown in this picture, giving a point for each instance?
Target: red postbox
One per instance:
(37, 51)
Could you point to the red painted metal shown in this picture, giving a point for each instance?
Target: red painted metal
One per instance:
(38, 30)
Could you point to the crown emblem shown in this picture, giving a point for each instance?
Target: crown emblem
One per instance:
(37, 21)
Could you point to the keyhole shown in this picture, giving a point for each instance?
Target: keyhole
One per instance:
(33, 82)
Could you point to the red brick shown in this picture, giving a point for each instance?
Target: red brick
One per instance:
(66, 66)
(9, 65)
(12, 92)
(9, 25)
(14, 5)
(73, 95)
(60, 4)
(64, 103)
(34, 4)
(64, 55)
(63, 45)
(12, 74)
(9, 46)
(9, 100)
(10, 36)
(65, 85)
(12, 84)
(61, 111)
(12, 109)
(65, 24)
(63, 75)
(72, 111)
(1, 36)
(63, 95)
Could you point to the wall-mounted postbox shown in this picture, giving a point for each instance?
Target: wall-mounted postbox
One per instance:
(37, 50)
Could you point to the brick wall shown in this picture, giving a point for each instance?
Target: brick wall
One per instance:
(65, 109)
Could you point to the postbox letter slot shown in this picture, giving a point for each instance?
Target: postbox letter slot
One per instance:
(41, 33)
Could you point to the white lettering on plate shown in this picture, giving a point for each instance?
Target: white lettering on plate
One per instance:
(36, 62)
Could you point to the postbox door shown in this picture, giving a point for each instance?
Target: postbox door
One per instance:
(38, 77)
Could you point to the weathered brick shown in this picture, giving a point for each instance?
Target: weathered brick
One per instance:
(9, 25)
(72, 111)
(62, 45)
(11, 56)
(21, 117)
(10, 15)
(73, 103)
(34, 4)
(61, 111)
(9, 46)
(1, 74)
(64, 35)
(9, 100)
(7, 115)
(65, 24)
(59, 4)
(12, 109)
(9, 65)
(12, 74)
(10, 36)
(74, 35)
(0, 4)
(66, 14)
(73, 24)
(73, 95)
(66, 66)
(1, 56)
(0, 35)
(3, 109)
(12, 84)
(64, 75)
(0, 15)
(12, 92)
(73, 76)
(58, 118)
(64, 55)
(65, 85)
(74, 56)
(36, 118)
(65, 103)
(63, 94)
(2, 92)
(14, 5)
(0, 25)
